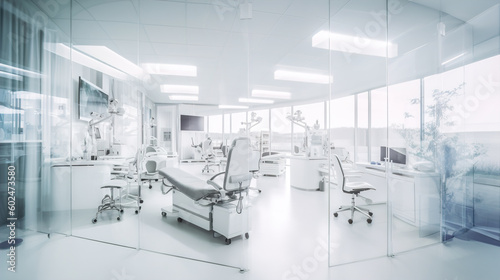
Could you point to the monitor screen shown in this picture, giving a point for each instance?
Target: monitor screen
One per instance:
(383, 153)
(90, 99)
(192, 123)
(396, 155)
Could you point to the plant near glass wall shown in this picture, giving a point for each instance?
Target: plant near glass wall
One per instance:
(453, 158)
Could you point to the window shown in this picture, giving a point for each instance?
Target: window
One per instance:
(342, 124)
(281, 129)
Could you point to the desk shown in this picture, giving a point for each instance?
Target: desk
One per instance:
(414, 194)
(84, 177)
(304, 172)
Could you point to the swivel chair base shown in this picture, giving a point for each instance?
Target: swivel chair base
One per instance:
(109, 202)
(353, 208)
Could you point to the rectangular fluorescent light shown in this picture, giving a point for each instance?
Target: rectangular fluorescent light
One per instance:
(170, 69)
(11, 76)
(83, 59)
(232, 107)
(179, 89)
(9, 69)
(255, 100)
(271, 94)
(354, 44)
(113, 59)
(453, 58)
(183, 97)
(301, 77)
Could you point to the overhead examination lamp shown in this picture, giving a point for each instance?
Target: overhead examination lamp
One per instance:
(298, 119)
(97, 118)
(253, 121)
(113, 110)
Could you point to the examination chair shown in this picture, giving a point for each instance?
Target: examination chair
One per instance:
(151, 161)
(217, 206)
(353, 188)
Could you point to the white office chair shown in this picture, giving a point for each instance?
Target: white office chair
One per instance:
(353, 188)
(208, 156)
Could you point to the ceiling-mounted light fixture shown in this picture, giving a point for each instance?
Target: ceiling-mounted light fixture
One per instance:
(232, 107)
(453, 59)
(184, 89)
(255, 100)
(183, 97)
(170, 69)
(354, 44)
(302, 77)
(113, 59)
(271, 94)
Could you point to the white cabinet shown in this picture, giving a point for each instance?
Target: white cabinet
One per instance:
(414, 194)
(305, 172)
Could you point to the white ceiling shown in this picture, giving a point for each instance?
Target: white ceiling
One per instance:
(234, 56)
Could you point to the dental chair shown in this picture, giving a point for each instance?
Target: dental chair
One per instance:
(214, 205)
(151, 162)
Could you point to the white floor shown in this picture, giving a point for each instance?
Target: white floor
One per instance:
(288, 240)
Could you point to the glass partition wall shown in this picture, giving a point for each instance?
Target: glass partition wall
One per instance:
(358, 47)
(421, 134)
(404, 93)
(35, 126)
(106, 121)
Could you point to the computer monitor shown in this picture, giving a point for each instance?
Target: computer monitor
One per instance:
(394, 155)
(383, 153)
(397, 155)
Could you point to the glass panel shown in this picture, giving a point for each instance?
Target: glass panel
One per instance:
(359, 46)
(258, 129)
(378, 122)
(313, 119)
(35, 123)
(281, 127)
(105, 124)
(215, 129)
(342, 126)
(238, 121)
(362, 127)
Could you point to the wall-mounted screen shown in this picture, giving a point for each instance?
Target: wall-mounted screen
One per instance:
(192, 123)
(90, 99)
(396, 155)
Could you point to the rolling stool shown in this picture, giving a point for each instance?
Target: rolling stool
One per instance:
(109, 202)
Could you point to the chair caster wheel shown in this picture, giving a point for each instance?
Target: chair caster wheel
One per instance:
(179, 220)
(350, 221)
(137, 211)
(150, 187)
(94, 221)
(140, 207)
(370, 213)
(247, 235)
(118, 218)
(228, 241)
(369, 221)
(164, 214)
(260, 191)
(335, 214)
(121, 210)
(141, 201)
